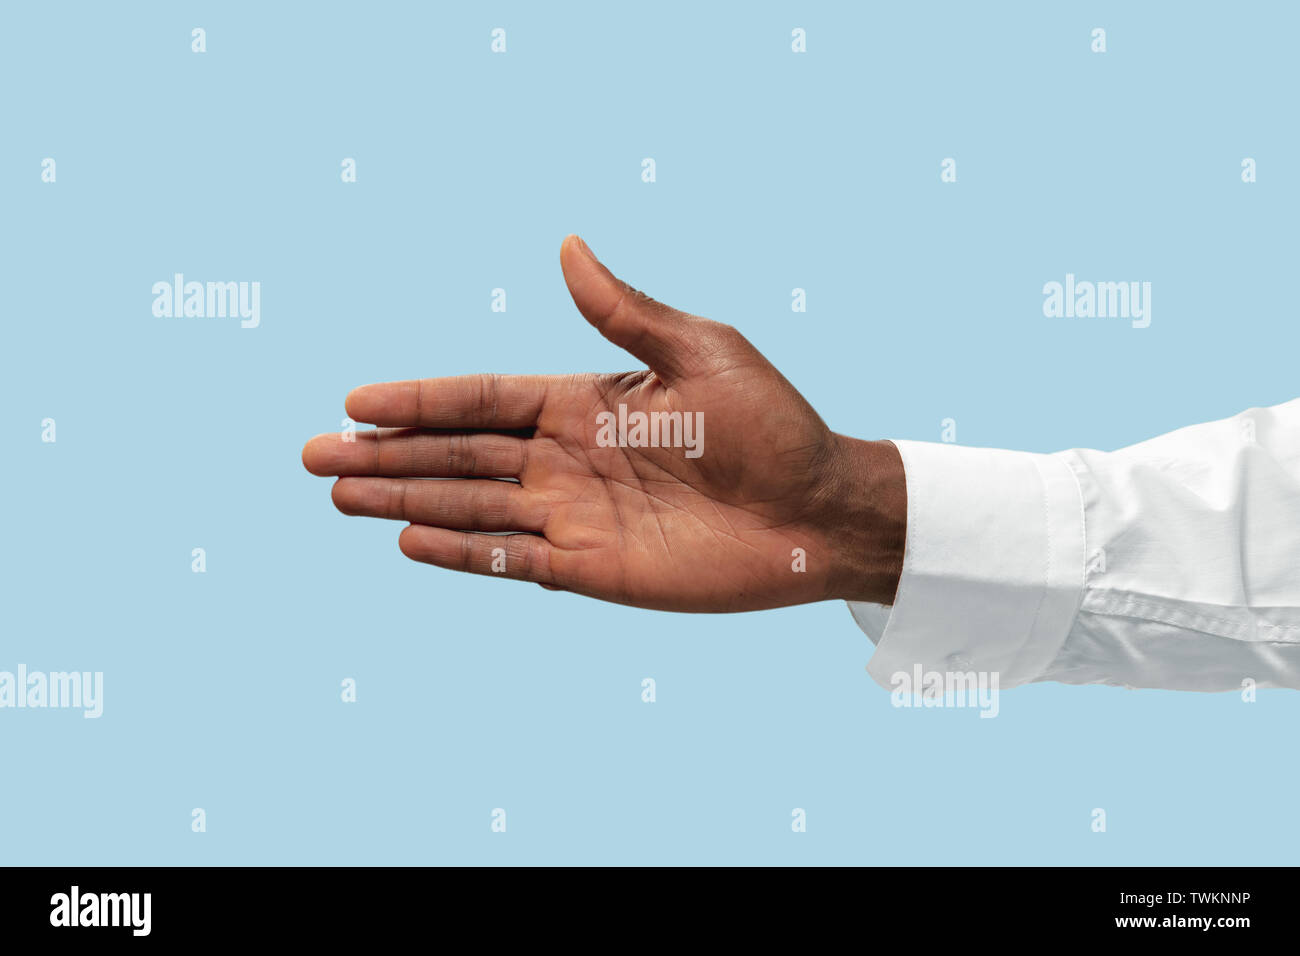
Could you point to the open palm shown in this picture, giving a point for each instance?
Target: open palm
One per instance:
(742, 506)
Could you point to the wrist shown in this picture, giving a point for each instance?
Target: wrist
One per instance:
(865, 520)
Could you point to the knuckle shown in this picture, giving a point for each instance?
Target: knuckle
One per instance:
(718, 343)
(461, 455)
(397, 499)
(727, 334)
(520, 555)
(490, 394)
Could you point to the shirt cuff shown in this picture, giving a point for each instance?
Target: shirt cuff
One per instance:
(993, 567)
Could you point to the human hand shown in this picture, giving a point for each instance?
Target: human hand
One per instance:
(710, 524)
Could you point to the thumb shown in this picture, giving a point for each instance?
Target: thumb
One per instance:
(659, 336)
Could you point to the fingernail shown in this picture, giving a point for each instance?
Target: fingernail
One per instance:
(586, 248)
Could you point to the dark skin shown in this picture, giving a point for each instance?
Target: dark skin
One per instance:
(649, 527)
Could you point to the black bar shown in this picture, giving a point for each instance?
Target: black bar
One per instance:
(917, 905)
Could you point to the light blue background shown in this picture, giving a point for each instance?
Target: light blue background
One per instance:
(775, 170)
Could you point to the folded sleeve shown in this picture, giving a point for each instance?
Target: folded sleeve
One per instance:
(1174, 563)
(993, 569)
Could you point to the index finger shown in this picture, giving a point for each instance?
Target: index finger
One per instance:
(462, 401)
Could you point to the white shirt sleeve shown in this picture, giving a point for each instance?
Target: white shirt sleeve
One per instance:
(1173, 563)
